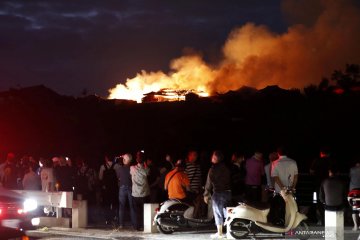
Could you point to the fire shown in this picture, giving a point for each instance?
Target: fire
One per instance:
(256, 57)
(188, 72)
(173, 95)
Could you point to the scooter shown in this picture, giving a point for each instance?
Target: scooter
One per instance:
(174, 215)
(247, 221)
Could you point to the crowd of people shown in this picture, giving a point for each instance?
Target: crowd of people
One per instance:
(123, 184)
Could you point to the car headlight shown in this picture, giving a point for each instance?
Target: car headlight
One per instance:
(30, 205)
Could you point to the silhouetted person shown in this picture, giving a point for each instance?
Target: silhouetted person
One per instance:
(9, 172)
(254, 173)
(319, 169)
(31, 180)
(109, 186)
(333, 191)
(154, 180)
(354, 185)
(218, 185)
(238, 174)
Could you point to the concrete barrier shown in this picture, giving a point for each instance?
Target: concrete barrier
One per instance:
(149, 214)
(334, 225)
(79, 214)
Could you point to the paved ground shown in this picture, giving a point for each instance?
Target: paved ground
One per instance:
(86, 234)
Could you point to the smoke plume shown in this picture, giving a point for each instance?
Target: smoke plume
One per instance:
(324, 36)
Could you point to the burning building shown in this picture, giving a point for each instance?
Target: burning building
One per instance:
(170, 95)
(312, 47)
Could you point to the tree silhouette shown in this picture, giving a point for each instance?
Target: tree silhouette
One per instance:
(324, 84)
(348, 79)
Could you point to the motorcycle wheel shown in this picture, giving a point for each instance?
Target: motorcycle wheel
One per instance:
(238, 228)
(164, 230)
(303, 231)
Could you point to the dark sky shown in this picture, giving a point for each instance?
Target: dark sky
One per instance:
(86, 44)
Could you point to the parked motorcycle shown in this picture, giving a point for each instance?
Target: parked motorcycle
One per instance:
(174, 215)
(249, 221)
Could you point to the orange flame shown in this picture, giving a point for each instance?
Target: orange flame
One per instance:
(257, 57)
(189, 72)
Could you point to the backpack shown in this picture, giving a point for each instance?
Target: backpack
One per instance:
(109, 177)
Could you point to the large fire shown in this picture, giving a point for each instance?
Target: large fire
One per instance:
(256, 57)
(189, 72)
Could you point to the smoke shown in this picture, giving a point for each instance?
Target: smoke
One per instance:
(255, 56)
(320, 40)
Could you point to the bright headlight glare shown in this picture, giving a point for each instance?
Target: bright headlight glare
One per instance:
(30, 205)
(35, 221)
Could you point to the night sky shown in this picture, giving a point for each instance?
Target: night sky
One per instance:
(74, 45)
(88, 46)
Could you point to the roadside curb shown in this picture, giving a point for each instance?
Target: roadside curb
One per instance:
(88, 233)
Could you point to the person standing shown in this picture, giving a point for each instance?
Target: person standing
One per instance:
(354, 176)
(65, 175)
(47, 176)
(48, 180)
(9, 172)
(319, 170)
(254, 173)
(86, 181)
(31, 180)
(193, 172)
(140, 187)
(109, 187)
(284, 174)
(125, 190)
(273, 156)
(238, 173)
(219, 184)
(333, 191)
(153, 180)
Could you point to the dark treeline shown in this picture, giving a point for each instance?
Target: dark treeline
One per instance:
(40, 122)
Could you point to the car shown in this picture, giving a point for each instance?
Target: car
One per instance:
(12, 234)
(15, 209)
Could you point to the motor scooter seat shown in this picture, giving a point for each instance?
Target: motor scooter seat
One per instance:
(188, 214)
(258, 205)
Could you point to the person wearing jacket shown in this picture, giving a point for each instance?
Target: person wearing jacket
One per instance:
(219, 184)
(140, 187)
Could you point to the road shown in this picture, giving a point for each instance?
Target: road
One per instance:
(96, 234)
